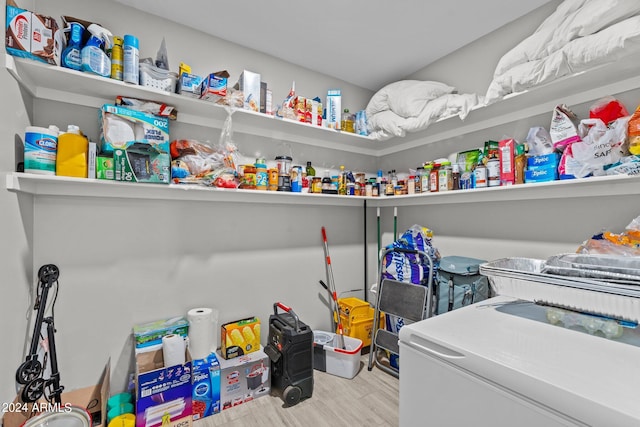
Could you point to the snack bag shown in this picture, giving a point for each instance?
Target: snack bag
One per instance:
(563, 129)
(633, 130)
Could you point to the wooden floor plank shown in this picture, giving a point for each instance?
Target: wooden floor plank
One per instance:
(371, 399)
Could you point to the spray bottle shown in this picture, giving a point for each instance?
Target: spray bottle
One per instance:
(71, 54)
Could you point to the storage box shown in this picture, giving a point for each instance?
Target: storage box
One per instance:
(163, 394)
(336, 361)
(239, 337)
(214, 86)
(31, 35)
(249, 84)
(540, 174)
(150, 334)
(189, 84)
(157, 78)
(93, 399)
(244, 378)
(205, 380)
(120, 126)
(105, 169)
(357, 319)
(143, 162)
(543, 161)
(334, 109)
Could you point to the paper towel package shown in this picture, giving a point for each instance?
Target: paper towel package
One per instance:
(163, 393)
(244, 378)
(203, 331)
(206, 387)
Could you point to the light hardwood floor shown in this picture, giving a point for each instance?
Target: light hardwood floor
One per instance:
(369, 399)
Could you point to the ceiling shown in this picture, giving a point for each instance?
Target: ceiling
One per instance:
(369, 43)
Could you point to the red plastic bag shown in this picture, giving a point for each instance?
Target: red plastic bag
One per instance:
(608, 109)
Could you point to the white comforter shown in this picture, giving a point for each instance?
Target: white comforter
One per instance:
(412, 105)
(579, 35)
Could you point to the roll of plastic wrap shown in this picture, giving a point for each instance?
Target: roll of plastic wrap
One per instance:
(203, 331)
(173, 348)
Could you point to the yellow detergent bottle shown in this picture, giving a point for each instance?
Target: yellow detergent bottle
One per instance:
(72, 155)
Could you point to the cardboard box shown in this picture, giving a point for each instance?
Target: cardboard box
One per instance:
(105, 169)
(244, 378)
(334, 109)
(189, 84)
(163, 394)
(263, 97)
(540, 174)
(240, 337)
(249, 84)
(214, 86)
(120, 126)
(31, 35)
(205, 380)
(143, 162)
(93, 399)
(150, 334)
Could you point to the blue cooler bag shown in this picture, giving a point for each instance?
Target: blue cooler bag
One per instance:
(460, 283)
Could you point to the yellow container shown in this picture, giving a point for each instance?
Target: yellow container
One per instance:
(356, 316)
(73, 152)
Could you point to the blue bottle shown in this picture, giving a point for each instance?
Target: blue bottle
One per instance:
(71, 57)
(94, 60)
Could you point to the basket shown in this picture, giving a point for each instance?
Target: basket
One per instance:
(357, 319)
(157, 78)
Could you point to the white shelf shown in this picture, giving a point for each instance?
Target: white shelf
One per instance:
(565, 189)
(60, 84)
(579, 88)
(46, 185)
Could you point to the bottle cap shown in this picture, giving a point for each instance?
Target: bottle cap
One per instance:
(73, 129)
(130, 40)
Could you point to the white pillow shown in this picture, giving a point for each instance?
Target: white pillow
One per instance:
(406, 98)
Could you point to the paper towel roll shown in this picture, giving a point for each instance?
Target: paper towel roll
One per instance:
(203, 331)
(173, 349)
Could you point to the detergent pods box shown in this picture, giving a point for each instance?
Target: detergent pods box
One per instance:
(163, 393)
(205, 380)
(189, 84)
(33, 36)
(244, 378)
(240, 337)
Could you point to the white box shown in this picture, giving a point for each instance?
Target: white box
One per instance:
(334, 108)
(342, 363)
(249, 84)
(244, 378)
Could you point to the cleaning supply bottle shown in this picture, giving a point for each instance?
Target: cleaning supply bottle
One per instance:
(71, 57)
(94, 60)
(342, 181)
(131, 59)
(116, 59)
(73, 153)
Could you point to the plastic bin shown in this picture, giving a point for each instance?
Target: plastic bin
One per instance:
(335, 361)
(157, 78)
(357, 319)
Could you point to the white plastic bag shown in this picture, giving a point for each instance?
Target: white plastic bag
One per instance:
(600, 146)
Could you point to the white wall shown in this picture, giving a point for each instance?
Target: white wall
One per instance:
(129, 261)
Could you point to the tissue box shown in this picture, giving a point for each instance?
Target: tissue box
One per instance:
(119, 126)
(33, 36)
(205, 380)
(214, 86)
(244, 378)
(163, 394)
(142, 161)
(150, 334)
(249, 84)
(240, 337)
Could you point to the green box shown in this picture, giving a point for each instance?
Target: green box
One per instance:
(140, 161)
(105, 168)
(151, 333)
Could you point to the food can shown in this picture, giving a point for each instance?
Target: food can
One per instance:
(493, 172)
(273, 179)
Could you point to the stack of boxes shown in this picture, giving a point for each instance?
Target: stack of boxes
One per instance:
(542, 168)
(177, 395)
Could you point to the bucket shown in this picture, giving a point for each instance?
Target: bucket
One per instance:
(40, 148)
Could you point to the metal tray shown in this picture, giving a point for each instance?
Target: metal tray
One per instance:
(617, 268)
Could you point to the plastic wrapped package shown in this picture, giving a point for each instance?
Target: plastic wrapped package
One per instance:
(409, 267)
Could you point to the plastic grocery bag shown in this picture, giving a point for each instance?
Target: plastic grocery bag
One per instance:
(600, 146)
